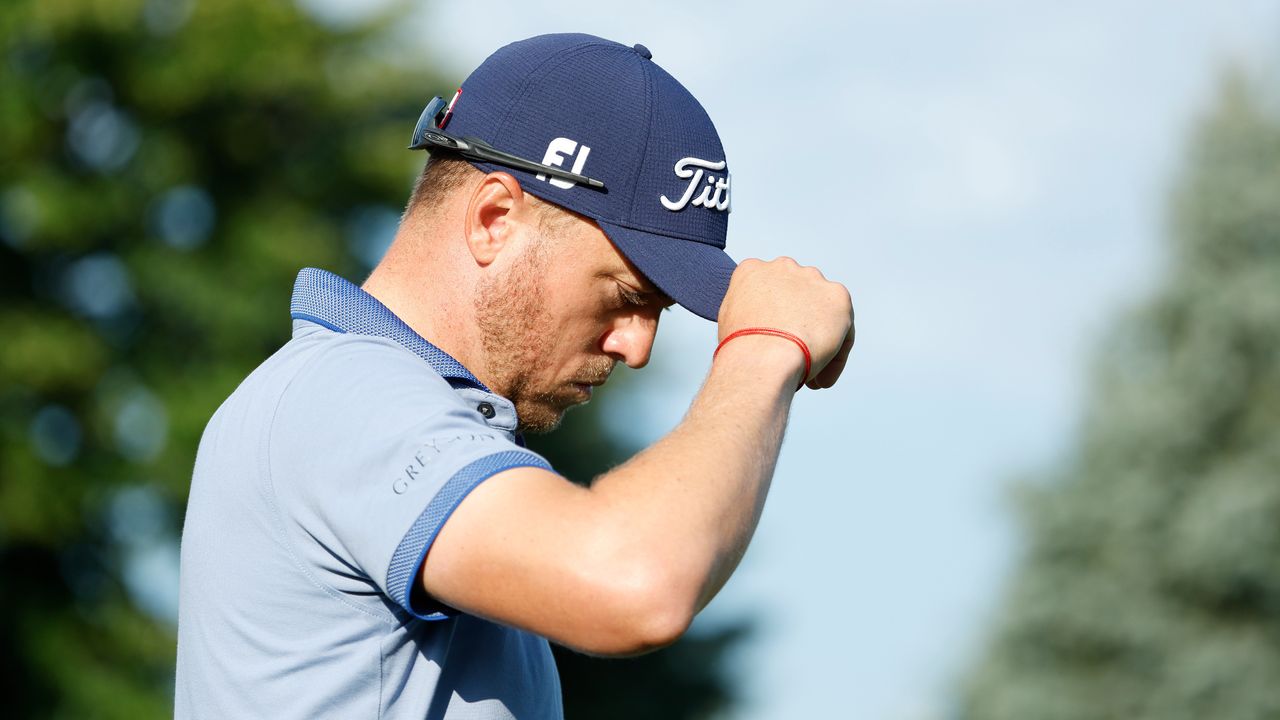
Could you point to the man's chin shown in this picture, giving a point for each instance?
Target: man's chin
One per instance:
(539, 423)
(543, 417)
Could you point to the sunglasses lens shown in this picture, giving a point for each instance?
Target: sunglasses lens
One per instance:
(436, 109)
(427, 121)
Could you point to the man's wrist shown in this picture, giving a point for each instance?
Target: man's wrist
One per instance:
(765, 357)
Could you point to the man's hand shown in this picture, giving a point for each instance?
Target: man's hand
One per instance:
(784, 295)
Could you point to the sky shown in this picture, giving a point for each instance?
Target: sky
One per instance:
(990, 180)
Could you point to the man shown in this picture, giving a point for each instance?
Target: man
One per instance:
(367, 535)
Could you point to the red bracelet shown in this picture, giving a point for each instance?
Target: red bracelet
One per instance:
(808, 359)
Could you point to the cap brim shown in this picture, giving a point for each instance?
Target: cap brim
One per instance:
(694, 274)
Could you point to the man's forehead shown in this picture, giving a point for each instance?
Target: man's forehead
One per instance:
(582, 232)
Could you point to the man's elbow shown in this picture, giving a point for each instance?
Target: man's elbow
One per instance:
(662, 623)
(644, 610)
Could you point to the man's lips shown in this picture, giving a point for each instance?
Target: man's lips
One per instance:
(586, 387)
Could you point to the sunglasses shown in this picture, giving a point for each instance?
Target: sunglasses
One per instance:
(427, 135)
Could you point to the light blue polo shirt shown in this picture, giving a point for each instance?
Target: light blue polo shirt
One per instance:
(318, 488)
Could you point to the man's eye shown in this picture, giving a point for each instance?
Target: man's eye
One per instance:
(630, 297)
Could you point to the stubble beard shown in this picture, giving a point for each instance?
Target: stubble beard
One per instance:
(515, 325)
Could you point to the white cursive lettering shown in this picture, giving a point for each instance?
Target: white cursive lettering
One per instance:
(714, 195)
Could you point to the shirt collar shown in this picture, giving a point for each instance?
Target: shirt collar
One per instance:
(323, 298)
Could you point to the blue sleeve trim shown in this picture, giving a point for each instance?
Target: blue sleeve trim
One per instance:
(413, 547)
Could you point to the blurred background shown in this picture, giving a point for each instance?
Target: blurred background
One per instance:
(1047, 487)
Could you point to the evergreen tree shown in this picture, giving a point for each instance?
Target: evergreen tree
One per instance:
(166, 167)
(1151, 584)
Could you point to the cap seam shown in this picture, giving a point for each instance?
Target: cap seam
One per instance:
(534, 190)
(663, 233)
(538, 72)
(627, 224)
(649, 90)
(624, 223)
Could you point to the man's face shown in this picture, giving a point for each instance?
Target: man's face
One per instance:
(558, 316)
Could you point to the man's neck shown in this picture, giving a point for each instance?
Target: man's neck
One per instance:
(434, 309)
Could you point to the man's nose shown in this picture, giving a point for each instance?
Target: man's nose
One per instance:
(630, 338)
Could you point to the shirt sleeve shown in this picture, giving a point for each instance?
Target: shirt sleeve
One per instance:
(370, 452)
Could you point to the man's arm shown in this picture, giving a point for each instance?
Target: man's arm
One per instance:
(623, 566)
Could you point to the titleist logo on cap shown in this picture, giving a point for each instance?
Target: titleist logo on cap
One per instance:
(714, 195)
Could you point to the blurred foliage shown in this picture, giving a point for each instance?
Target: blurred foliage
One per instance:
(166, 167)
(1151, 586)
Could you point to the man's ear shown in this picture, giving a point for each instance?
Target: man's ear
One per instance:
(496, 204)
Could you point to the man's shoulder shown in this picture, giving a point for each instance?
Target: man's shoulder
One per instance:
(350, 373)
(336, 381)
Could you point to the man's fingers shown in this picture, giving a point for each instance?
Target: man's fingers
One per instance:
(829, 374)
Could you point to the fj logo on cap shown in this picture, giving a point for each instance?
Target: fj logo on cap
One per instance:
(715, 193)
(557, 151)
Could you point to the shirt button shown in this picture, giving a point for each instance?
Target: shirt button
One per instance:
(486, 410)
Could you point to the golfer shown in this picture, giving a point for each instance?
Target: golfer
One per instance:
(368, 537)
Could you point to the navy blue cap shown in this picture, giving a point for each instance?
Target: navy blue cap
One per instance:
(607, 111)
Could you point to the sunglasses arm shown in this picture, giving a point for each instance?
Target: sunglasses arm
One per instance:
(426, 136)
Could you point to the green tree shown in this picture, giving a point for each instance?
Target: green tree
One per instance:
(1151, 582)
(166, 167)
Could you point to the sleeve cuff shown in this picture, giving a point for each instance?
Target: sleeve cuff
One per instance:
(417, 541)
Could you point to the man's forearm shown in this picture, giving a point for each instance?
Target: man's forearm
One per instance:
(693, 499)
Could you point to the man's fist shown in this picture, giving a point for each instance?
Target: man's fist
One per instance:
(785, 295)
